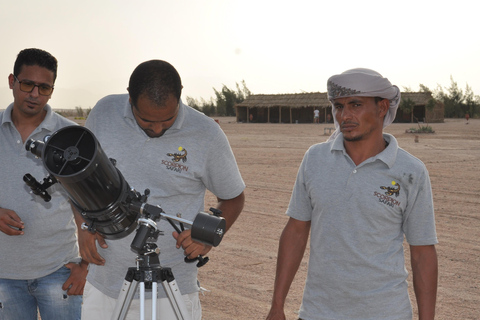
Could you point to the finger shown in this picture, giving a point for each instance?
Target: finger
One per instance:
(11, 231)
(193, 250)
(10, 215)
(175, 234)
(92, 256)
(183, 239)
(97, 259)
(15, 223)
(67, 284)
(74, 290)
(101, 241)
(10, 222)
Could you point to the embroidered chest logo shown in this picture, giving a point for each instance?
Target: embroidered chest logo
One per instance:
(174, 163)
(386, 197)
(179, 156)
(395, 190)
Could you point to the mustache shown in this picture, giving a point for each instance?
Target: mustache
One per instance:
(348, 123)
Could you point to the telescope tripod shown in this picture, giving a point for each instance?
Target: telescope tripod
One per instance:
(149, 273)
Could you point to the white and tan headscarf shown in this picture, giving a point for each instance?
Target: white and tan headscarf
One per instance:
(362, 82)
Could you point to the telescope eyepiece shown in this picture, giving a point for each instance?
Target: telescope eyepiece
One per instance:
(38, 188)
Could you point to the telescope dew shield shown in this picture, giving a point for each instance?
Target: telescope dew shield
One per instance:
(98, 190)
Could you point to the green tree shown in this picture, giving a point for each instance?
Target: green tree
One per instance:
(192, 102)
(457, 102)
(471, 102)
(407, 105)
(207, 107)
(432, 101)
(424, 88)
(80, 112)
(452, 99)
(224, 103)
(227, 98)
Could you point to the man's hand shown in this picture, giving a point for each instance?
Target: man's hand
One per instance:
(88, 248)
(78, 276)
(192, 249)
(10, 223)
(276, 314)
(87, 241)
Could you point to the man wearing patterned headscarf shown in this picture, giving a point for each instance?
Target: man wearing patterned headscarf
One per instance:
(363, 83)
(358, 195)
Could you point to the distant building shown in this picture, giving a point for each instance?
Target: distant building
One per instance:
(299, 108)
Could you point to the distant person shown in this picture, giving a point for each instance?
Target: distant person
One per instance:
(316, 116)
(467, 117)
(39, 261)
(329, 118)
(358, 195)
(178, 153)
(251, 118)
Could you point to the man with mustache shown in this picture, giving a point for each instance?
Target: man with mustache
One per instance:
(358, 195)
(40, 266)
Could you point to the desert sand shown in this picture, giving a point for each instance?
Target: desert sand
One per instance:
(241, 270)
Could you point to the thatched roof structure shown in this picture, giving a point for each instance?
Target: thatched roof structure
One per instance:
(294, 100)
(299, 107)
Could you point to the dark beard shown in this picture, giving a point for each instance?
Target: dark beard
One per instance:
(353, 139)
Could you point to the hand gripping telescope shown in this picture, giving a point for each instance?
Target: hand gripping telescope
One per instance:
(73, 157)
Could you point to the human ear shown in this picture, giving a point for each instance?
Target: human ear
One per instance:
(11, 81)
(384, 105)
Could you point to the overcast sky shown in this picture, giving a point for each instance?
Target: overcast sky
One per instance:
(275, 46)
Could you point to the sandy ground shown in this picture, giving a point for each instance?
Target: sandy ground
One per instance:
(241, 272)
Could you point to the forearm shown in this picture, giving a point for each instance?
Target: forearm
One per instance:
(77, 216)
(293, 242)
(425, 277)
(84, 264)
(87, 241)
(231, 209)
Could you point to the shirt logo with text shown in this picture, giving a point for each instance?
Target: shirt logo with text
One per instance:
(386, 197)
(175, 159)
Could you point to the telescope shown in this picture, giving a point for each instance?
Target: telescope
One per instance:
(74, 158)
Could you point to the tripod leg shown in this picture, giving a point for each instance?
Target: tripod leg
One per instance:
(142, 301)
(124, 299)
(176, 299)
(154, 300)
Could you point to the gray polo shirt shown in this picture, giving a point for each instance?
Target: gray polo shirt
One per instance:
(360, 215)
(49, 240)
(206, 162)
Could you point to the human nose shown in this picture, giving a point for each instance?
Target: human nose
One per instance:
(345, 113)
(35, 91)
(160, 127)
(157, 128)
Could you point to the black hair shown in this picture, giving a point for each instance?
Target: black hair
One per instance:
(35, 57)
(157, 79)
